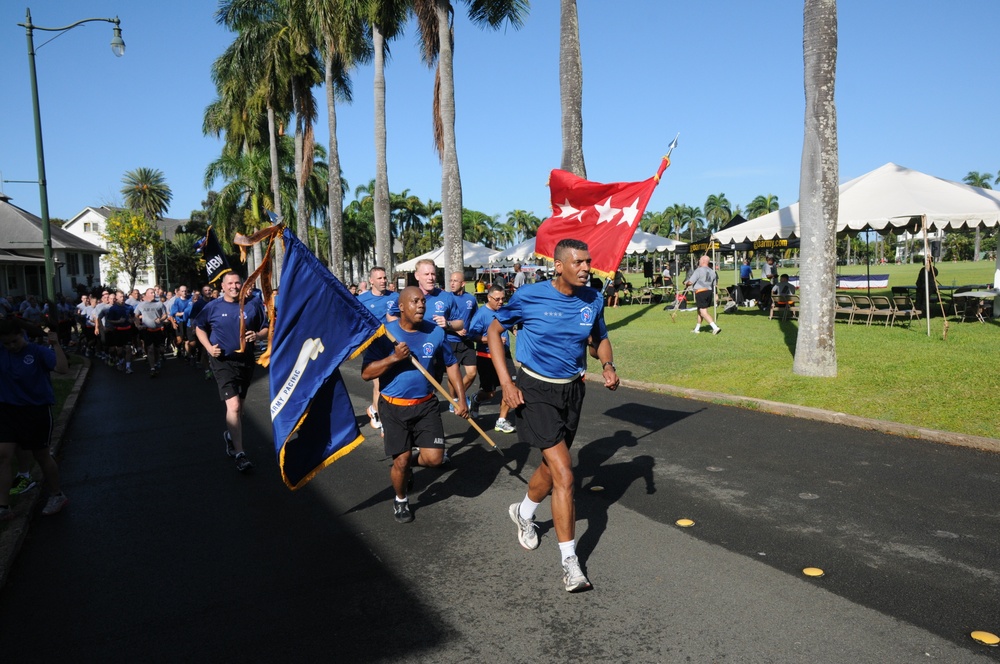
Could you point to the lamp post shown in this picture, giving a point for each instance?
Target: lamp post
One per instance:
(118, 48)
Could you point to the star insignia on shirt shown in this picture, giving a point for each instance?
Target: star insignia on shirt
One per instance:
(605, 212)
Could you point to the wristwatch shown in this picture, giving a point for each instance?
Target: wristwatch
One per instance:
(605, 365)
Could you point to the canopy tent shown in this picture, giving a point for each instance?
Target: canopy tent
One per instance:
(473, 255)
(889, 198)
(641, 243)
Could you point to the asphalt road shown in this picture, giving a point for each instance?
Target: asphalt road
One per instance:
(166, 553)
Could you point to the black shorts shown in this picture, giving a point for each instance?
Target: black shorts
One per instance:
(703, 299)
(464, 353)
(551, 411)
(117, 338)
(406, 427)
(181, 329)
(233, 375)
(488, 380)
(151, 337)
(28, 426)
(191, 334)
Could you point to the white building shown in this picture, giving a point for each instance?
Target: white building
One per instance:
(91, 222)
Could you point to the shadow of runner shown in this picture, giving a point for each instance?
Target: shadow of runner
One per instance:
(791, 332)
(593, 471)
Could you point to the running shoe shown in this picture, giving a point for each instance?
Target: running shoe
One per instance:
(230, 450)
(374, 419)
(243, 463)
(128, 370)
(504, 426)
(402, 511)
(717, 330)
(54, 504)
(526, 534)
(24, 483)
(154, 373)
(474, 406)
(6, 514)
(573, 576)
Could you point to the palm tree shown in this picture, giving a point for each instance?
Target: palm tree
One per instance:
(718, 211)
(819, 195)
(146, 191)
(476, 225)
(385, 19)
(523, 224)
(692, 220)
(977, 179)
(672, 218)
(762, 205)
(434, 21)
(571, 89)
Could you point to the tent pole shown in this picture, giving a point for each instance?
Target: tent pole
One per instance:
(927, 272)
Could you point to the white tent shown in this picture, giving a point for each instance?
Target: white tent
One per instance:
(890, 197)
(641, 243)
(474, 255)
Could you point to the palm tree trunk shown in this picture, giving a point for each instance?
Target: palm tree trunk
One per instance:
(451, 181)
(301, 213)
(383, 237)
(571, 90)
(819, 197)
(334, 189)
(277, 255)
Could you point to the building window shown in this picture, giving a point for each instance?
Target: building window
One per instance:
(72, 264)
(88, 264)
(91, 227)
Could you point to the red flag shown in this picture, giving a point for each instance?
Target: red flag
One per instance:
(603, 215)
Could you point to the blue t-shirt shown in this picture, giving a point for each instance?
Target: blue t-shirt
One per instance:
(119, 317)
(403, 380)
(553, 340)
(439, 303)
(745, 271)
(466, 303)
(221, 320)
(24, 376)
(378, 304)
(196, 308)
(479, 325)
(180, 310)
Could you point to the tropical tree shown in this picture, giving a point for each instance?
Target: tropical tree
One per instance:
(434, 22)
(672, 218)
(385, 19)
(130, 235)
(146, 191)
(977, 179)
(476, 226)
(523, 225)
(718, 211)
(571, 89)
(762, 205)
(819, 195)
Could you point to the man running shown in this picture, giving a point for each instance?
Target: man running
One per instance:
(409, 409)
(180, 314)
(150, 317)
(461, 344)
(231, 358)
(118, 319)
(558, 317)
(379, 301)
(703, 281)
(488, 382)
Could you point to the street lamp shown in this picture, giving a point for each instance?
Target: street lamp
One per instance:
(118, 48)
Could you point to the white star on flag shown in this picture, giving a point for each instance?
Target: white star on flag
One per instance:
(629, 213)
(566, 210)
(606, 212)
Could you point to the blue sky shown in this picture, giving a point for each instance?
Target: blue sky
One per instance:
(914, 86)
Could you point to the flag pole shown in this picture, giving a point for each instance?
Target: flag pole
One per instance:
(440, 389)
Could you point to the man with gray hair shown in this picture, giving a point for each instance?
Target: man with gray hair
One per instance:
(703, 281)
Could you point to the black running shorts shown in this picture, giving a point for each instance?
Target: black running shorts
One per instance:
(488, 380)
(406, 427)
(233, 375)
(551, 411)
(152, 338)
(464, 353)
(28, 426)
(703, 299)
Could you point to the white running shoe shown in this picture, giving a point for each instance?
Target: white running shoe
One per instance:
(54, 504)
(526, 534)
(374, 419)
(573, 576)
(504, 426)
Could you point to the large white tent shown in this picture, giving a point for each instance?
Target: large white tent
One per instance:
(890, 197)
(473, 255)
(641, 243)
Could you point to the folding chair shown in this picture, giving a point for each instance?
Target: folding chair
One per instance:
(844, 307)
(882, 307)
(863, 307)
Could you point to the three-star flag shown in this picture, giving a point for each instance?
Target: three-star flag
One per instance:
(603, 215)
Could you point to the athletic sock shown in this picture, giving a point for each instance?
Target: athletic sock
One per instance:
(405, 499)
(714, 326)
(527, 508)
(567, 549)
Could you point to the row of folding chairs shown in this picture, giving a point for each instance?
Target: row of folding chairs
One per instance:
(869, 308)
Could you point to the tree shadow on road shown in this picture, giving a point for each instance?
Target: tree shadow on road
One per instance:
(600, 484)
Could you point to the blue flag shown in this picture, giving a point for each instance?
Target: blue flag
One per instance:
(318, 324)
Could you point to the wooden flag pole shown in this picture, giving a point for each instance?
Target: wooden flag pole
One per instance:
(444, 392)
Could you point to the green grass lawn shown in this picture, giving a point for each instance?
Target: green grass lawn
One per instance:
(62, 385)
(898, 374)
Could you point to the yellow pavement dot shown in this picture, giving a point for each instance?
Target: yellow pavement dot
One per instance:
(597, 487)
(813, 571)
(685, 523)
(985, 638)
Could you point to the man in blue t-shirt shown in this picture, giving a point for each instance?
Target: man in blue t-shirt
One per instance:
(488, 381)
(232, 358)
(409, 409)
(559, 318)
(462, 345)
(379, 301)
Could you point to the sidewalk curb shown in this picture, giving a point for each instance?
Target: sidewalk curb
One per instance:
(13, 536)
(818, 414)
